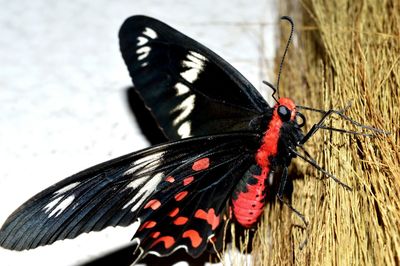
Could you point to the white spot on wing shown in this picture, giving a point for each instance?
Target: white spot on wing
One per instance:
(185, 107)
(137, 182)
(169, 253)
(199, 56)
(195, 62)
(62, 206)
(133, 185)
(141, 41)
(143, 52)
(145, 163)
(175, 249)
(145, 192)
(190, 74)
(50, 206)
(181, 89)
(66, 188)
(150, 33)
(138, 250)
(184, 129)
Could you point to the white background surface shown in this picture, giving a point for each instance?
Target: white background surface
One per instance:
(62, 92)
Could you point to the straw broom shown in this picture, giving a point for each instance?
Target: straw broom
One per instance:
(345, 50)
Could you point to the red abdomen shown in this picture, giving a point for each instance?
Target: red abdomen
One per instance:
(249, 196)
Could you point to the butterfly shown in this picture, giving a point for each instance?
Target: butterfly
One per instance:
(224, 145)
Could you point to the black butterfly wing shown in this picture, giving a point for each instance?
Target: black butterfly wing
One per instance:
(189, 89)
(196, 214)
(143, 185)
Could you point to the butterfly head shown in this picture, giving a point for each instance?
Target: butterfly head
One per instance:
(286, 110)
(288, 121)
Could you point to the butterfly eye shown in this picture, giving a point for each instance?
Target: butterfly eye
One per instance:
(300, 119)
(284, 113)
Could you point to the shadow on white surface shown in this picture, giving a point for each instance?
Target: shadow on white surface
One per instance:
(63, 93)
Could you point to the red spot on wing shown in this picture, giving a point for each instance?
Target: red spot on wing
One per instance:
(201, 164)
(155, 234)
(148, 224)
(170, 179)
(168, 241)
(194, 237)
(188, 180)
(173, 212)
(154, 204)
(209, 216)
(180, 195)
(180, 220)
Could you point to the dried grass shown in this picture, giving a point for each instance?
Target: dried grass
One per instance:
(344, 50)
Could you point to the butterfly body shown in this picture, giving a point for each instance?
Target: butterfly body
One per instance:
(224, 144)
(248, 201)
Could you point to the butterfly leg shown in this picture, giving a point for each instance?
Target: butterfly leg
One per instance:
(282, 185)
(317, 126)
(326, 114)
(307, 157)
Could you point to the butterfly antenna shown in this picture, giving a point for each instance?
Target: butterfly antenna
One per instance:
(276, 89)
(273, 89)
(286, 49)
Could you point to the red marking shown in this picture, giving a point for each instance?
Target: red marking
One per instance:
(180, 195)
(154, 204)
(168, 241)
(209, 216)
(180, 220)
(147, 225)
(201, 164)
(170, 179)
(155, 234)
(174, 212)
(188, 180)
(269, 146)
(194, 237)
(248, 206)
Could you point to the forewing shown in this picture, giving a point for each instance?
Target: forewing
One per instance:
(120, 191)
(190, 90)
